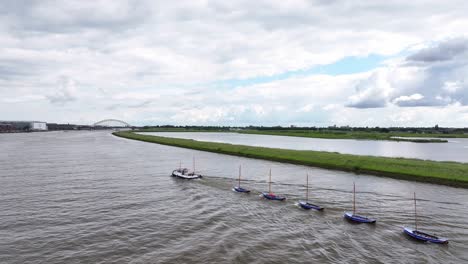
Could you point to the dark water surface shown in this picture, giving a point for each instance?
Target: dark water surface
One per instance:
(90, 197)
(455, 150)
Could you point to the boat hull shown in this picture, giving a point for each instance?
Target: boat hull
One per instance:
(240, 189)
(421, 236)
(358, 218)
(189, 176)
(274, 197)
(309, 206)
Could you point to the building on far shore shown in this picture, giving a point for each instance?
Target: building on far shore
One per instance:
(38, 126)
(22, 126)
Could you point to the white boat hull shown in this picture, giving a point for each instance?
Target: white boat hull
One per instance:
(188, 176)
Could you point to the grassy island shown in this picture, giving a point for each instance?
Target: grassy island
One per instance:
(323, 133)
(407, 137)
(447, 173)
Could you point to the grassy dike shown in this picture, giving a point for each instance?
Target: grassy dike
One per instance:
(447, 173)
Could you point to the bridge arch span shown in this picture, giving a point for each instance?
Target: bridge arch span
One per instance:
(103, 122)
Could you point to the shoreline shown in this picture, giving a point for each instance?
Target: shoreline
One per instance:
(439, 172)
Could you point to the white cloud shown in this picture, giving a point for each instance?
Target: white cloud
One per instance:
(22, 99)
(66, 92)
(306, 108)
(452, 87)
(136, 96)
(329, 107)
(433, 76)
(372, 92)
(404, 98)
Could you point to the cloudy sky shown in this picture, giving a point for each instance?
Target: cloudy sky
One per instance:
(360, 63)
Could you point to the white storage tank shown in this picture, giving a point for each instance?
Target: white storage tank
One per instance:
(38, 126)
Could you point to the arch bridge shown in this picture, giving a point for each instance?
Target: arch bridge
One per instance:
(112, 123)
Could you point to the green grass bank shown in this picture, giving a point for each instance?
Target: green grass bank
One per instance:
(447, 173)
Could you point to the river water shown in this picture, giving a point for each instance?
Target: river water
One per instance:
(455, 150)
(90, 197)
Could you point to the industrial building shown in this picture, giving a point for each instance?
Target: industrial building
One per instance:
(38, 126)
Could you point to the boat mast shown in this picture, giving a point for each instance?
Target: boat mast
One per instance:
(180, 165)
(307, 188)
(354, 198)
(239, 174)
(269, 184)
(193, 165)
(415, 219)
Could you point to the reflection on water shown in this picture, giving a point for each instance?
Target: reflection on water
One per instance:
(90, 197)
(454, 150)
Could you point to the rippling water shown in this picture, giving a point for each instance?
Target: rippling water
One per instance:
(90, 197)
(455, 150)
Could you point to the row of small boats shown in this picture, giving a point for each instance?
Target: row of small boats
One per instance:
(305, 204)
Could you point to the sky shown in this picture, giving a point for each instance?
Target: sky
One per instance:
(235, 63)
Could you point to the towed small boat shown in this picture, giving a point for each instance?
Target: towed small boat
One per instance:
(424, 236)
(358, 218)
(238, 188)
(421, 236)
(271, 196)
(353, 216)
(305, 204)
